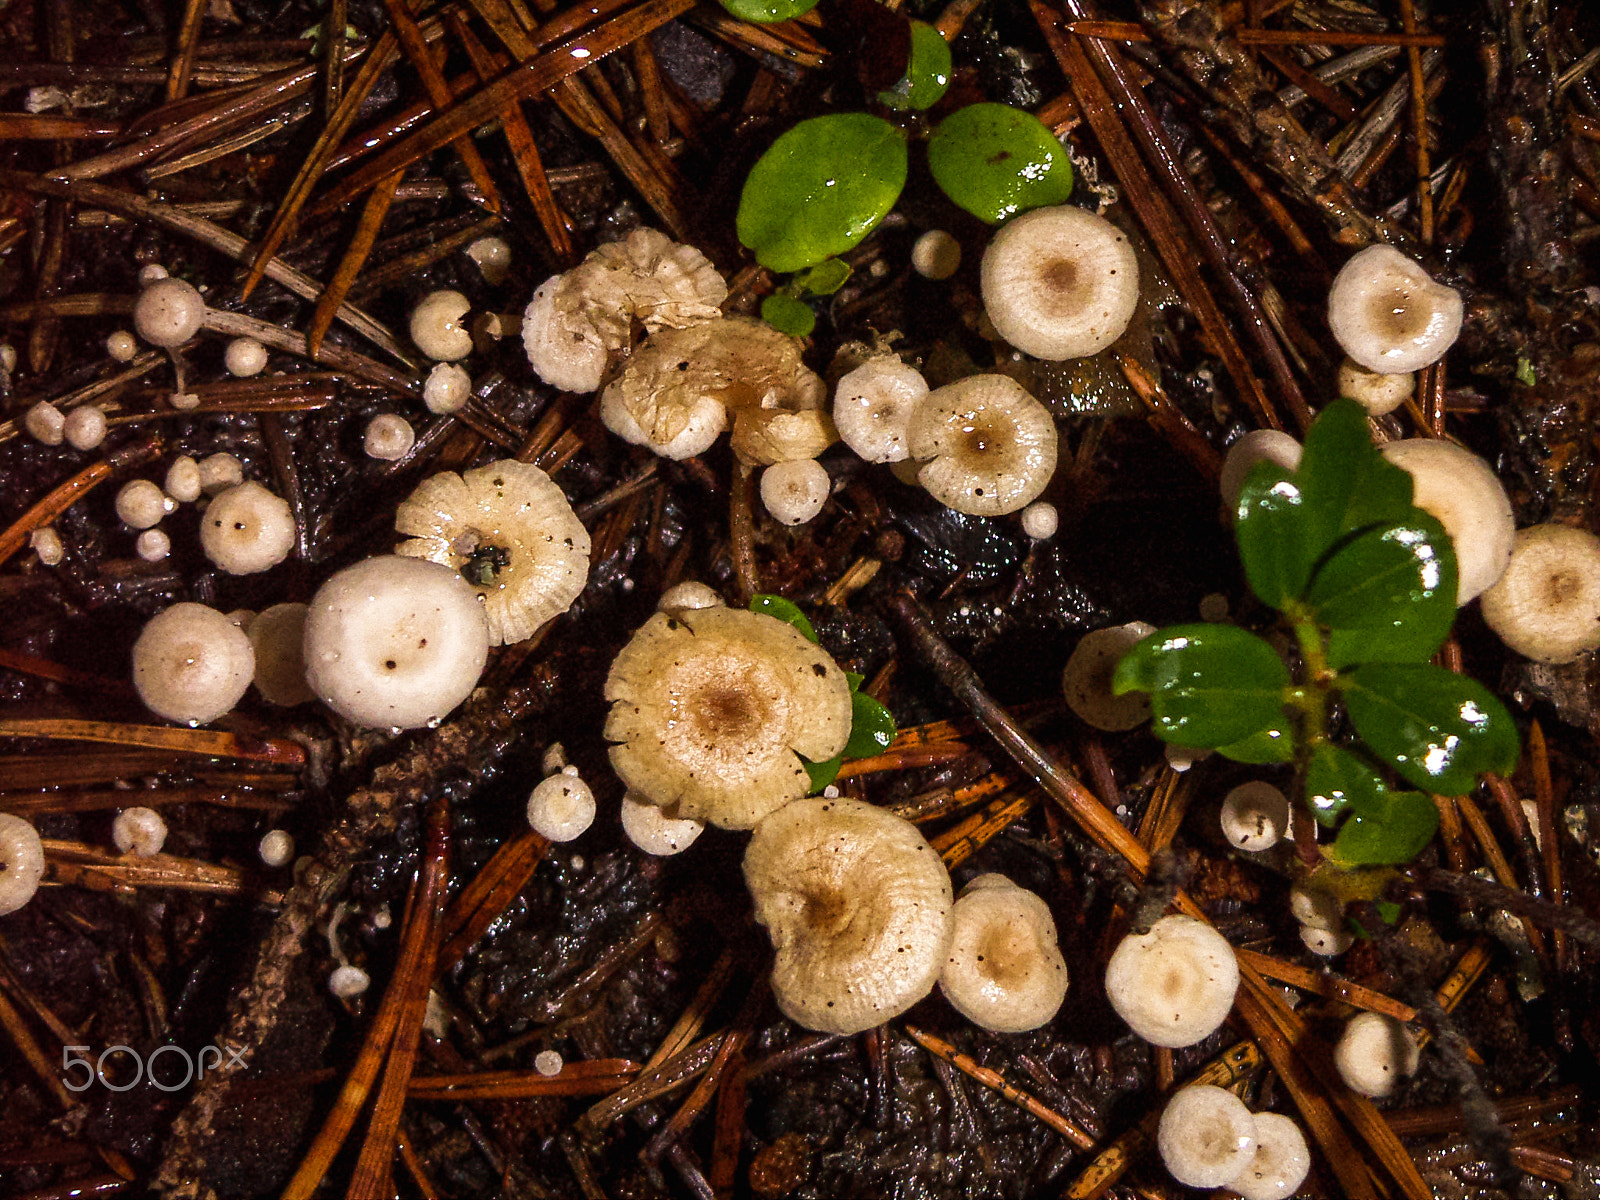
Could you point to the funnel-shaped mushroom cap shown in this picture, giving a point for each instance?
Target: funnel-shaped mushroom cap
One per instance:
(21, 862)
(1174, 985)
(712, 709)
(1004, 970)
(1207, 1136)
(1547, 604)
(987, 446)
(1280, 1163)
(1060, 282)
(872, 407)
(563, 346)
(191, 664)
(1389, 315)
(1086, 679)
(858, 907)
(1463, 494)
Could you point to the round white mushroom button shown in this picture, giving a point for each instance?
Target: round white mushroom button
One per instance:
(21, 862)
(936, 255)
(245, 357)
(45, 423)
(247, 529)
(168, 312)
(447, 388)
(388, 437)
(561, 807)
(436, 326)
(139, 831)
(121, 346)
(85, 427)
(795, 492)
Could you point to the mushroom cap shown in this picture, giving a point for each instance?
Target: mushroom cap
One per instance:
(1280, 1163)
(872, 407)
(1547, 604)
(689, 594)
(388, 437)
(1174, 985)
(1316, 906)
(1389, 315)
(507, 527)
(152, 545)
(986, 445)
(395, 642)
(1040, 520)
(247, 529)
(437, 328)
(245, 357)
(1259, 445)
(1374, 1052)
(1326, 943)
(278, 636)
(1086, 679)
(447, 388)
(1207, 1136)
(183, 480)
(703, 425)
(141, 504)
(191, 664)
(858, 908)
(1255, 816)
(1375, 392)
(21, 862)
(121, 345)
(1004, 970)
(1464, 495)
(168, 312)
(276, 847)
(139, 831)
(649, 277)
(563, 346)
(45, 423)
(561, 807)
(219, 472)
(85, 427)
(650, 828)
(794, 492)
(712, 709)
(1060, 282)
(936, 255)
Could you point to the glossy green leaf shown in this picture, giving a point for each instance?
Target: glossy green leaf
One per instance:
(854, 680)
(764, 12)
(820, 189)
(1274, 744)
(823, 773)
(788, 315)
(1439, 730)
(824, 279)
(927, 74)
(872, 728)
(1270, 529)
(996, 161)
(1337, 780)
(1391, 829)
(1209, 685)
(1348, 484)
(1388, 594)
(784, 610)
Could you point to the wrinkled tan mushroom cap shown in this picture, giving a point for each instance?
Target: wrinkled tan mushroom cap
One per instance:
(1389, 315)
(1464, 495)
(563, 346)
(1086, 679)
(1004, 970)
(1378, 394)
(191, 664)
(510, 532)
(1547, 604)
(1207, 1137)
(712, 709)
(1280, 1163)
(1175, 984)
(21, 862)
(986, 445)
(858, 908)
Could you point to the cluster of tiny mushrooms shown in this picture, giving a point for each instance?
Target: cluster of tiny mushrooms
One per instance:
(713, 709)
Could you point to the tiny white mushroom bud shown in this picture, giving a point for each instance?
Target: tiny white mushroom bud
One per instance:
(1326, 943)
(151, 273)
(1463, 494)
(794, 492)
(247, 529)
(277, 848)
(139, 831)
(1260, 445)
(191, 664)
(1280, 1163)
(183, 480)
(493, 256)
(1377, 393)
(436, 326)
(278, 638)
(1389, 315)
(152, 545)
(348, 981)
(183, 401)
(1086, 679)
(45, 423)
(936, 255)
(46, 543)
(85, 427)
(561, 807)
(1207, 1136)
(1255, 816)
(141, 504)
(21, 862)
(548, 1063)
(688, 594)
(447, 388)
(1374, 1052)
(168, 312)
(245, 357)
(1040, 520)
(650, 828)
(1547, 604)
(1174, 985)
(872, 407)
(219, 472)
(388, 437)
(1181, 758)
(121, 345)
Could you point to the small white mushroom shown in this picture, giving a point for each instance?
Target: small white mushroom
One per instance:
(936, 255)
(219, 472)
(688, 594)
(561, 807)
(152, 545)
(1255, 816)
(276, 848)
(45, 423)
(986, 445)
(388, 437)
(1464, 495)
(563, 346)
(247, 529)
(1374, 1052)
(1259, 445)
(151, 273)
(278, 637)
(46, 543)
(168, 312)
(183, 480)
(1207, 1137)
(191, 664)
(437, 328)
(650, 828)
(493, 256)
(1060, 282)
(1280, 1163)
(1040, 520)
(548, 1063)
(21, 862)
(1174, 985)
(1547, 604)
(1325, 943)
(245, 357)
(1086, 679)
(795, 492)
(1378, 394)
(872, 407)
(139, 831)
(1004, 970)
(347, 981)
(447, 388)
(85, 427)
(183, 401)
(1389, 315)
(141, 504)
(121, 345)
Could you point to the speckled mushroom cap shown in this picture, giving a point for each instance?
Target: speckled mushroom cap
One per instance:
(1175, 984)
(712, 709)
(1004, 970)
(858, 908)
(247, 529)
(21, 862)
(872, 407)
(191, 664)
(507, 527)
(986, 445)
(1389, 315)
(395, 642)
(1464, 495)
(563, 346)
(1280, 1163)
(1207, 1136)
(1374, 1052)
(1547, 604)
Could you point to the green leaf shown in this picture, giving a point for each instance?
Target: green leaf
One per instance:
(996, 161)
(823, 773)
(821, 188)
(783, 610)
(871, 727)
(1388, 594)
(1348, 484)
(1438, 729)
(788, 315)
(1390, 829)
(854, 680)
(1209, 685)
(1270, 530)
(927, 74)
(1274, 744)
(1336, 780)
(764, 12)
(824, 279)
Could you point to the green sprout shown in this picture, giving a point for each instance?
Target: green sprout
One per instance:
(1366, 584)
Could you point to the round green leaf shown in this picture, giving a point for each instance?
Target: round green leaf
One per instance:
(1440, 730)
(1274, 744)
(824, 279)
(872, 728)
(1390, 829)
(1270, 530)
(1337, 780)
(788, 315)
(784, 610)
(821, 188)
(764, 12)
(1348, 484)
(996, 161)
(1209, 685)
(927, 75)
